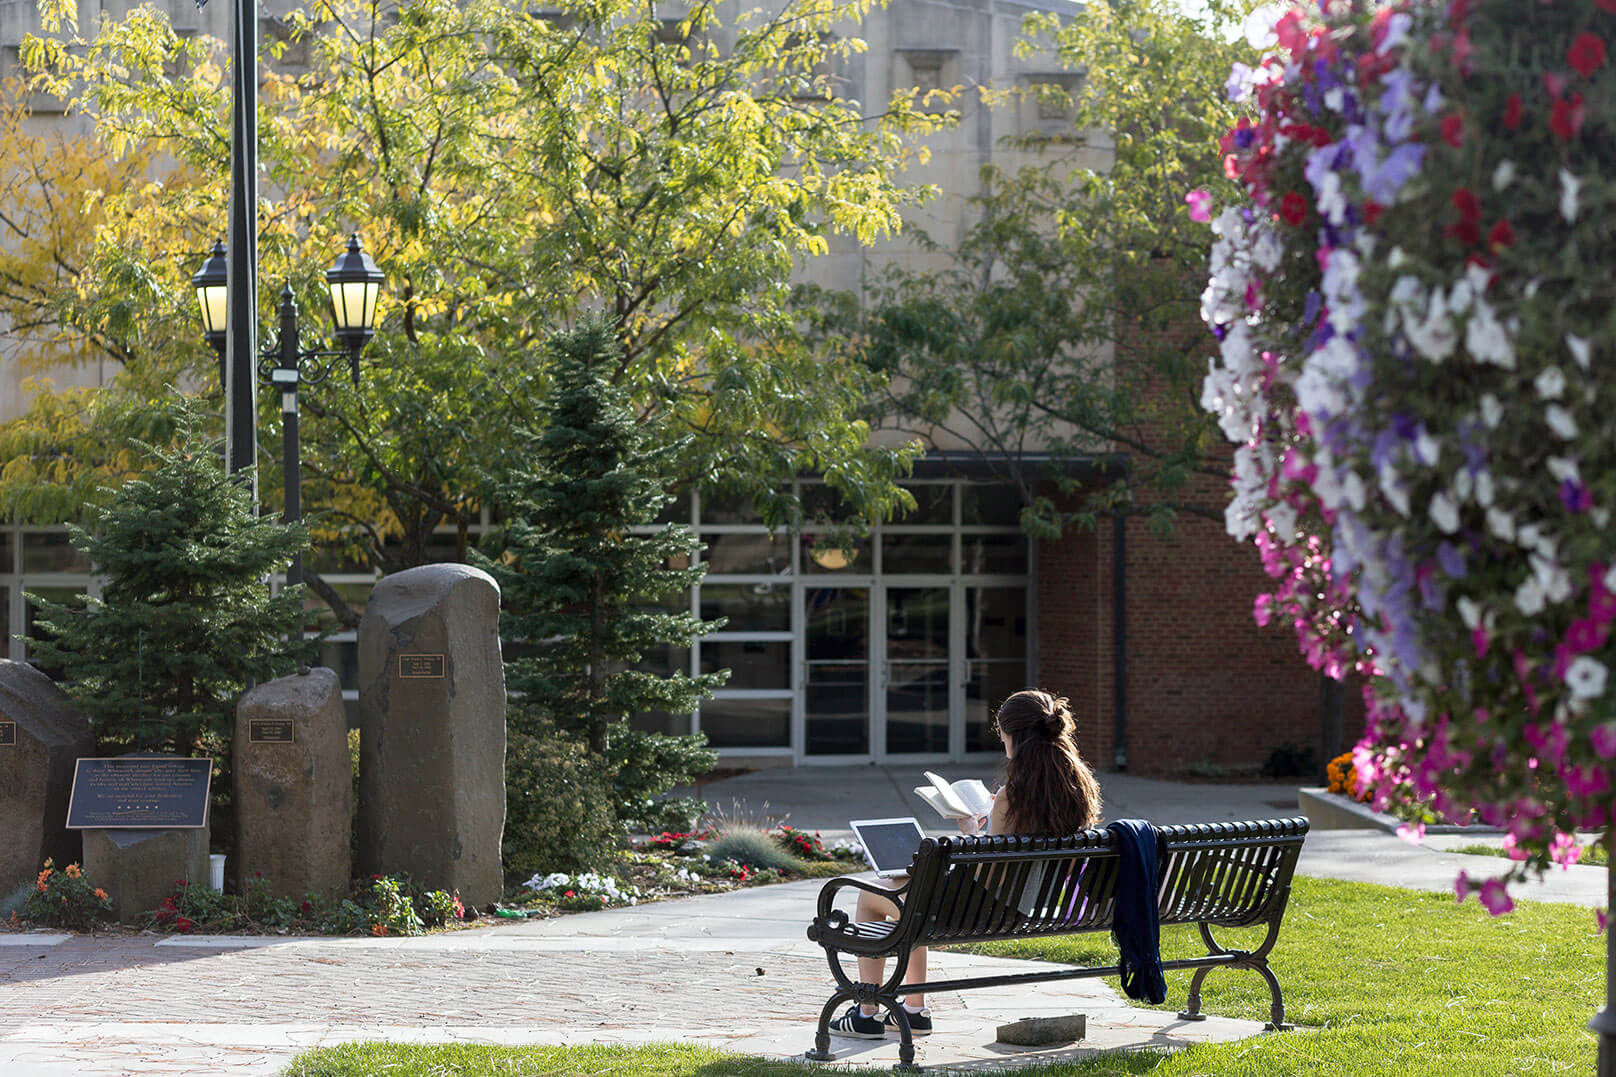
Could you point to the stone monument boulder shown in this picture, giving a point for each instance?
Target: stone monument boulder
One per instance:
(41, 735)
(138, 868)
(294, 785)
(432, 731)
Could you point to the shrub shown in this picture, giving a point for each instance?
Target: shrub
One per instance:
(391, 910)
(65, 898)
(438, 907)
(752, 848)
(800, 843)
(558, 806)
(192, 906)
(646, 765)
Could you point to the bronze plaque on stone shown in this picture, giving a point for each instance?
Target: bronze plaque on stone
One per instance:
(139, 792)
(8, 734)
(420, 665)
(269, 731)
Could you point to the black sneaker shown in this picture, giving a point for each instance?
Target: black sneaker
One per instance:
(854, 1023)
(919, 1023)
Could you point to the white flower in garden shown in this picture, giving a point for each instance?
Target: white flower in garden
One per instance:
(1318, 394)
(1503, 175)
(1469, 612)
(1334, 98)
(1501, 524)
(1579, 349)
(1560, 421)
(1600, 517)
(1434, 337)
(1568, 196)
(1529, 597)
(1352, 490)
(1586, 677)
(1267, 249)
(1563, 468)
(1395, 491)
(1462, 486)
(1551, 577)
(1486, 339)
(1332, 204)
(1237, 351)
(1327, 487)
(1549, 383)
(1484, 487)
(1426, 448)
(1396, 259)
(1282, 518)
(1610, 578)
(1444, 512)
(1491, 411)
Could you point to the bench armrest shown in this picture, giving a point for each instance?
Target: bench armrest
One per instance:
(834, 919)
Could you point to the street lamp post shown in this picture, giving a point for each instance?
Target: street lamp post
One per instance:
(354, 284)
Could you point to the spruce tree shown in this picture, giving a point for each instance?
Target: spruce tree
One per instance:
(584, 597)
(185, 620)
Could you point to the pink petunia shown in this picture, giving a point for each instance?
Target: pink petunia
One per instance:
(1603, 739)
(1586, 54)
(1200, 203)
(1461, 886)
(1495, 897)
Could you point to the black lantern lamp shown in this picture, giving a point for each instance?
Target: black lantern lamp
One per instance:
(355, 284)
(212, 292)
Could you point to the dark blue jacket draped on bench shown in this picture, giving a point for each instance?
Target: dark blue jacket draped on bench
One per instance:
(1135, 919)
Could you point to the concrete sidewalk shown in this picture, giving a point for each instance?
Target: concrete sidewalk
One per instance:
(733, 971)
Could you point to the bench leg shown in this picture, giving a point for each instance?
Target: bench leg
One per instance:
(1276, 1011)
(1192, 1007)
(906, 1039)
(821, 1049)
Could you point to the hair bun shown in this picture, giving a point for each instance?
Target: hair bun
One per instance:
(1058, 718)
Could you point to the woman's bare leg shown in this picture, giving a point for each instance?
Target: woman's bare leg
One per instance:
(873, 907)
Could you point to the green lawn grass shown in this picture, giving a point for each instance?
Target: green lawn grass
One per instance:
(1595, 855)
(1381, 982)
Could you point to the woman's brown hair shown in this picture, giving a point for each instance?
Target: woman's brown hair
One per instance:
(1049, 787)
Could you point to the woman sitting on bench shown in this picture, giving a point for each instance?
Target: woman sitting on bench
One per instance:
(1048, 790)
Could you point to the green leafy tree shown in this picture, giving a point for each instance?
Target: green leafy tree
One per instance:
(509, 171)
(184, 621)
(585, 596)
(1064, 323)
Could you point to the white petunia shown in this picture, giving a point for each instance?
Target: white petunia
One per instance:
(1563, 468)
(1551, 577)
(1529, 597)
(1610, 578)
(1560, 421)
(1491, 411)
(1463, 485)
(1568, 196)
(1353, 492)
(1486, 339)
(1426, 448)
(1503, 175)
(1586, 677)
(1444, 512)
(1435, 337)
(1549, 383)
(1395, 491)
(1579, 349)
(1501, 524)
(1484, 487)
(1600, 517)
(1282, 518)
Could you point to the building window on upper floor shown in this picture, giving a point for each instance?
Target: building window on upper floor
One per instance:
(1048, 107)
(934, 74)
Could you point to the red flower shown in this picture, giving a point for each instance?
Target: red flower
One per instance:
(1372, 210)
(183, 925)
(1567, 118)
(1502, 235)
(1293, 208)
(1586, 54)
(1554, 82)
(567, 894)
(1465, 231)
(1462, 49)
(1453, 130)
(1512, 108)
(1464, 200)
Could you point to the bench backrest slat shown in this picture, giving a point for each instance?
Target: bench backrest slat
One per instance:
(1227, 874)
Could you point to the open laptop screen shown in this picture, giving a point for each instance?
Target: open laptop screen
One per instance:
(889, 844)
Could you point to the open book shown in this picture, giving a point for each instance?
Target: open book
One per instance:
(964, 799)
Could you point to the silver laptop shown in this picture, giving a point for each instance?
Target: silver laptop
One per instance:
(889, 844)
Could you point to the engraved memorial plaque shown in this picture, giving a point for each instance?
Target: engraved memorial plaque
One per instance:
(269, 731)
(8, 734)
(136, 792)
(420, 665)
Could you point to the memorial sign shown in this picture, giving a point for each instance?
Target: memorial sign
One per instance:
(140, 793)
(8, 734)
(420, 665)
(269, 731)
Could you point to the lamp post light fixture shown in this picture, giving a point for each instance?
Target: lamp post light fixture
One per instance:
(354, 284)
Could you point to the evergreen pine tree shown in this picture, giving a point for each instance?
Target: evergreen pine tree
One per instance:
(185, 620)
(584, 597)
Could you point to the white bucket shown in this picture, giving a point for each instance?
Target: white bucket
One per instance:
(216, 871)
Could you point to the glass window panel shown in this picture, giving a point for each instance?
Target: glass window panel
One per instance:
(676, 511)
(663, 659)
(917, 553)
(917, 624)
(822, 501)
(1004, 555)
(760, 553)
(343, 657)
(672, 725)
(821, 554)
(728, 509)
(934, 504)
(990, 684)
(50, 551)
(7, 565)
(836, 699)
(750, 607)
(747, 723)
(996, 622)
(5, 623)
(917, 707)
(751, 663)
(985, 504)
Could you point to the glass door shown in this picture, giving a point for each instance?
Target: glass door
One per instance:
(836, 671)
(915, 671)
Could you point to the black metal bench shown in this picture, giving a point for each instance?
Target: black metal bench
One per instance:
(984, 889)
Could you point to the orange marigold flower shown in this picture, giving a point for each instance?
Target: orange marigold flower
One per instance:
(378, 929)
(100, 893)
(73, 871)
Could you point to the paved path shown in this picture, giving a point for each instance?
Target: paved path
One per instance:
(733, 971)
